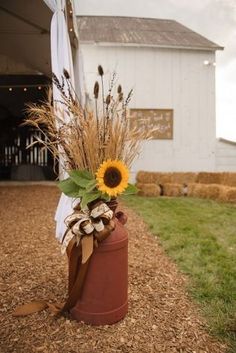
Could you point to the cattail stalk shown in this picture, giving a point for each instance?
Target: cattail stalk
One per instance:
(96, 92)
(101, 73)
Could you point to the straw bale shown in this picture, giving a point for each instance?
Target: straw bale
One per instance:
(223, 193)
(149, 189)
(229, 179)
(197, 190)
(202, 191)
(209, 178)
(144, 177)
(163, 178)
(184, 178)
(191, 189)
(228, 194)
(221, 178)
(154, 177)
(170, 189)
(213, 191)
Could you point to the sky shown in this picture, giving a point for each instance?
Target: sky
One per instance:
(214, 19)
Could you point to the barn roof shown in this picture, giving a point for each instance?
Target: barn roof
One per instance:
(141, 32)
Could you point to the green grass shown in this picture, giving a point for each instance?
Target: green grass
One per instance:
(200, 235)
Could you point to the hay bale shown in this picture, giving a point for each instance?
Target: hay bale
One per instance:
(209, 178)
(221, 178)
(229, 179)
(197, 190)
(223, 192)
(227, 194)
(184, 178)
(192, 189)
(144, 177)
(213, 191)
(154, 177)
(202, 191)
(148, 189)
(170, 189)
(163, 178)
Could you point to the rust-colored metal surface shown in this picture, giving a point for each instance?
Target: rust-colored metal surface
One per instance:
(104, 298)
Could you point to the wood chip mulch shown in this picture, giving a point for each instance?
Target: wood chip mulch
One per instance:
(161, 317)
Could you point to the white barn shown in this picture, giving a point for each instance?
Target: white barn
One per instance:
(225, 155)
(172, 71)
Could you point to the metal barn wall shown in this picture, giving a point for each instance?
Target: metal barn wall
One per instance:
(165, 78)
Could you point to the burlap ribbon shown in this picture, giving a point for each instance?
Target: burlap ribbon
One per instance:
(85, 229)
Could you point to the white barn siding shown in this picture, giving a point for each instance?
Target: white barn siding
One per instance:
(225, 156)
(165, 79)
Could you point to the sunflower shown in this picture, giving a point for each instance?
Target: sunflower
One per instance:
(112, 177)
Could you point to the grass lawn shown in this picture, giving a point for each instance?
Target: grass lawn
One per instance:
(200, 235)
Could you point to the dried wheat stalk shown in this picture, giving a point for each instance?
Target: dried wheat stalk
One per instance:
(83, 138)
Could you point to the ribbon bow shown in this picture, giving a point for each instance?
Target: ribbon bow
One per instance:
(87, 228)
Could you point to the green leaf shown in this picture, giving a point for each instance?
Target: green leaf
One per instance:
(86, 174)
(130, 190)
(89, 197)
(81, 192)
(81, 177)
(91, 185)
(105, 197)
(69, 188)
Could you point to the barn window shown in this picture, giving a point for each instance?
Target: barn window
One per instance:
(159, 119)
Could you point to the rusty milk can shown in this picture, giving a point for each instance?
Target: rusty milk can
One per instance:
(104, 297)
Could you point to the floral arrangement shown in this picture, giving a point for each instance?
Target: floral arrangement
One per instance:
(95, 146)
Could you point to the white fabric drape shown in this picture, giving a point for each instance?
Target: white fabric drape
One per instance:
(61, 54)
(61, 58)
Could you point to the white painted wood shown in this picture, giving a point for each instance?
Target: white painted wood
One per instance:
(165, 78)
(225, 156)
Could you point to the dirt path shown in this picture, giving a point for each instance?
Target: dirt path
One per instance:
(161, 318)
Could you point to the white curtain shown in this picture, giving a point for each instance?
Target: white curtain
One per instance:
(61, 58)
(61, 54)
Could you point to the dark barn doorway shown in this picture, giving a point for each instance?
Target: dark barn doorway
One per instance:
(17, 162)
(25, 72)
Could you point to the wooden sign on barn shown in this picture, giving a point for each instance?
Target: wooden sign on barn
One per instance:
(158, 120)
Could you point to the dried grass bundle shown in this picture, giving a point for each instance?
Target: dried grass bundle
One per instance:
(197, 190)
(148, 189)
(229, 179)
(158, 178)
(191, 189)
(213, 191)
(145, 177)
(209, 178)
(170, 189)
(163, 178)
(227, 194)
(184, 177)
(81, 137)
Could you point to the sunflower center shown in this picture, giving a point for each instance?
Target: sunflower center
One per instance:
(112, 177)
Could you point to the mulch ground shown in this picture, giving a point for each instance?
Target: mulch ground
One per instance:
(161, 317)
